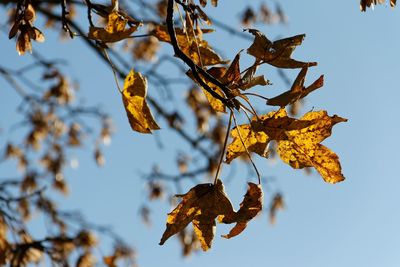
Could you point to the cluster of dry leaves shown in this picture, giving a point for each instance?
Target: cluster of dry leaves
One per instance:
(219, 88)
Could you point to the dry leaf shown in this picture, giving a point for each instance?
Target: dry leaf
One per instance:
(370, 3)
(303, 148)
(191, 44)
(254, 141)
(297, 91)
(134, 99)
(277, 53)
(115, 30)
(201, 206)
(298, 141)
(249, 208)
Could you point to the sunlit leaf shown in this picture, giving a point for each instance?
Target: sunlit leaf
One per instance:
(191, 44)
(115, 30)
(277, 53)
(297, 91)
(134, 99)
(201, 206)
(298, 141)
(249, 208)
(254, 141)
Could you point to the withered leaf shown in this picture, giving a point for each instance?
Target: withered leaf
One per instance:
(201, 206)
(298, 141)
(370, 3)
(254, 141)
(191, 44)
(303, 148)
(249, 208)
(277, 53)
(248, 80)
(134, 99)
(115, 30)
(297, 91)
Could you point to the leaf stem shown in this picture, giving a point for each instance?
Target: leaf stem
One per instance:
(224, 147)
(247, 151)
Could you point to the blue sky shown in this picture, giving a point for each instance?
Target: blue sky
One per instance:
(354, 223)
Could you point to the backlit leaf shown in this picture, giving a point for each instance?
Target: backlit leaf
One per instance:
(201, 206)
(115, 30)
(191, 44)
(297, 91)
(254, 141)
(249, 208)
(134, 99)
(370, 3)
(277, 53)
(298, 141)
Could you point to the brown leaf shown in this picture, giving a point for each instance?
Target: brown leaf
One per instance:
(370, 3)
(277, 53)
(298, 141)
(134, 99)
(297, 91)
(191, 44)
(303, 148)
(115, 30)
(249, 208)
(201, 205)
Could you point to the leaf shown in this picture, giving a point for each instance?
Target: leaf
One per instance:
(191, 44)
(249, 208)
(303, 148)
(298, 141)
(115, 30)
(277, 53)
(370, 3)
(297, 91)
(134, 99)
(215, 103)
(248, 81)
(201, 206)
(254, 141)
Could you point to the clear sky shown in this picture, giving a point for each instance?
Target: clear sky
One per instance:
(354, 223)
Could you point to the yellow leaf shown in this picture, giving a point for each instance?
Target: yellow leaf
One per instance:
(302, 149)
(115, 30)
(254, 141)
(318, 156)
(191, 44)
(277, 53)
(298, 141)
(134, 99)
(201, 206)
(249, 208)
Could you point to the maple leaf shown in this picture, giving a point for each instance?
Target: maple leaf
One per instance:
(277, 53)
(134, 99)
(297, 91)
(298, 141)
(191, 44)
(115, 30)
(254, 141)
(201, 206)
(249, 208)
